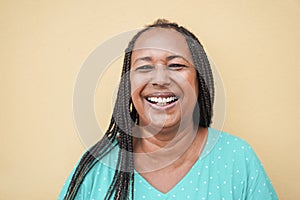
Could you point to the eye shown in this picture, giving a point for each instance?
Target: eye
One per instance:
(176, 66)
(144, 68)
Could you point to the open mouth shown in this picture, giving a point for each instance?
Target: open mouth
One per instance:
(162, 101)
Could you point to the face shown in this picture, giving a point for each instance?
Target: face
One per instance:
(163, 79)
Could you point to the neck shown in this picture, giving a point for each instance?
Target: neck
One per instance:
(169, 146)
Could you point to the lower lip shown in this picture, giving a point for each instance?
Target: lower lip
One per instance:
(165, 107)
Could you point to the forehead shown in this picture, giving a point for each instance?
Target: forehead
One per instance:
(163, 39)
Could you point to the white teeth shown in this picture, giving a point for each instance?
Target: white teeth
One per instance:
(161, 100)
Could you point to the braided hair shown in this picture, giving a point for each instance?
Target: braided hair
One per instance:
(125, 115)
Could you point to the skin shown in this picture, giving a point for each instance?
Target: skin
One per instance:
(168, 140)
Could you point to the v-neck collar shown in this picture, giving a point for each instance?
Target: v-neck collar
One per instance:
(212, 138)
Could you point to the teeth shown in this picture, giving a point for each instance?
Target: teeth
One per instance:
(161, 100)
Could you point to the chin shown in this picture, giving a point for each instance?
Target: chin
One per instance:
(158, 124)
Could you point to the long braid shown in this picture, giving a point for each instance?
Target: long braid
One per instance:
(205, 77)
(123, 119)
(125, 115)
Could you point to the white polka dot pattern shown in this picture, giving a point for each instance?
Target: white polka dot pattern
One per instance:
(227, 169)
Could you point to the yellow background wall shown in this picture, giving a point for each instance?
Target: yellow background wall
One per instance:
(255, 45)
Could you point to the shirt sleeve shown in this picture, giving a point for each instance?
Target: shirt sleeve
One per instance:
(66, 185)
(259, 185)
(82, 193)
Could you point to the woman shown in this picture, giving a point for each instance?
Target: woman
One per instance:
(159, 144)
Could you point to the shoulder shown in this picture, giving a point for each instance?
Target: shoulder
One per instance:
(234, 160)
(100, 175)
(223, 144)
(231, 140)
(227, 141)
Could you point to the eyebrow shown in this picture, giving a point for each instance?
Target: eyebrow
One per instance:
(148, 58)
(176, 56)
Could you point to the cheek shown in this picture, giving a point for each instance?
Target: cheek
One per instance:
(191, 83)
(137, 84)
(195, 86)
(134, 86)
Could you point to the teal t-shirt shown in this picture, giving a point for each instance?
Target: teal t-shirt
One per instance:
(228, 169)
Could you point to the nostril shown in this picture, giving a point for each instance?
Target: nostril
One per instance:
(161, 77)
(160, 83)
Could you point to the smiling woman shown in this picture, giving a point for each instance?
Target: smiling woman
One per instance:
(163, 80)
(159, 144)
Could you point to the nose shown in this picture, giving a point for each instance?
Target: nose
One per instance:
(160, 76)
